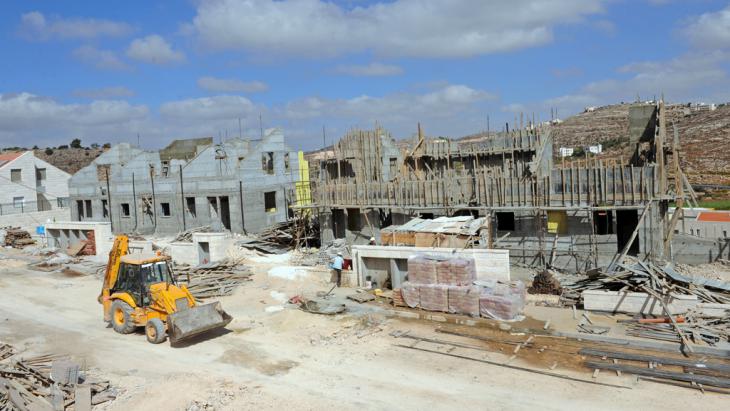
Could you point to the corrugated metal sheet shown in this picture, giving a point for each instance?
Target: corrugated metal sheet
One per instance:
(465, 225)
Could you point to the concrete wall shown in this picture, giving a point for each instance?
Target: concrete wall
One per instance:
(64, 234)
(224, 173)
(383, 262)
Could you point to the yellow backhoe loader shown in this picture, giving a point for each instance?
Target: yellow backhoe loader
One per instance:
(140, 290)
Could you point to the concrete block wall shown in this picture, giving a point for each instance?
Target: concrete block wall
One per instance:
(231, 170)
(64, 234)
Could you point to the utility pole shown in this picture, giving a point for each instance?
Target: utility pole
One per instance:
(261, 126)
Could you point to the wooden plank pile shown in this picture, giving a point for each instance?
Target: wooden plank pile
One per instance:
(47, 382)
(298, 232)
(644, 276)
(660, 283)
(214, 279)
(18, 238)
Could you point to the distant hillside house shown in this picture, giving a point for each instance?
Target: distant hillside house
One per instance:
(28, 183)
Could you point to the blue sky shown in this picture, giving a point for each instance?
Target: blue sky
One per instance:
(107, 71)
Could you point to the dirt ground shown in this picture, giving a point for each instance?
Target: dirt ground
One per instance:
(274, 356)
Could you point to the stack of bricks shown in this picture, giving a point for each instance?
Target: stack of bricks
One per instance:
(504, 301)
(434, 297)
(90, 246)
(464, 300)
(456, 271)
(398, 300)
(422, 270)
(411, 294)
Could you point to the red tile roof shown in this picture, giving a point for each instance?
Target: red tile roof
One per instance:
(8, 157)
(714, 216)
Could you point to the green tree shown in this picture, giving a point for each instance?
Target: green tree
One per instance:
(49, 151)
(107, 145)
(76, 143)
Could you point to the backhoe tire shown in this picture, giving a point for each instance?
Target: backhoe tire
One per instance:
(155, 331)
(122, 321)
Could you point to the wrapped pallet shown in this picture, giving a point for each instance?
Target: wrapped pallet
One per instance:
(503, 301)
(411, 294)
(464, 270)
(434, 297)
(422, 269)
(464, 300)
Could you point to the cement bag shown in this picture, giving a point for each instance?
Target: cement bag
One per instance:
(411, 294)
(422, 269)
(434, 297)
(464, 300)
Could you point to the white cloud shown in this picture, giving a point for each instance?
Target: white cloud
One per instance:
(404, 28)
(208, 108)
(443, 110)
(710, 30)
(692, 77)
(153, 49)
(372, 69)
(26, 117)
(447, 110)
(102, 59)
(104, 93)
(34, 25)
(221, 85)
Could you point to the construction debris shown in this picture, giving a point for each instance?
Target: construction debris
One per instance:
(642, 275)
(545, 283)
(698, 328)
(214, 279)
(17, 238)
(321, 307)
(47, 382)
(187, 235)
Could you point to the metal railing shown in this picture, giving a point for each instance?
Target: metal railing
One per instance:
(24, 207)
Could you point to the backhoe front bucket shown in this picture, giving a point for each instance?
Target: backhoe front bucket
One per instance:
(196, 320)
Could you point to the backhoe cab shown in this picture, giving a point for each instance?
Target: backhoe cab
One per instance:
(140, 291)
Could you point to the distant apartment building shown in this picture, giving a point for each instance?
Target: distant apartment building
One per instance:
(28, 184)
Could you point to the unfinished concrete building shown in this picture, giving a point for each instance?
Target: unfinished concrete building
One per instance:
(238, 185)
(574, 215)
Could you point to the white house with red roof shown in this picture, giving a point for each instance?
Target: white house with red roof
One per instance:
(28, 183)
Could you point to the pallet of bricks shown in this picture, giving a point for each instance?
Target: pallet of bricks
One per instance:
(448, 283)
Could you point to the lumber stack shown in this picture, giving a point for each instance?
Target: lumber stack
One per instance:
(47, 382)
(214, 279)
(298, 232)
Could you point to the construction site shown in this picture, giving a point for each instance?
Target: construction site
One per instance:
(469, 272)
